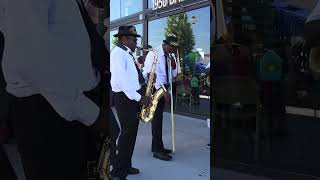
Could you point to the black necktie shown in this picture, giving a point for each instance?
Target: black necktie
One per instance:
(141, 79)
(167, 70)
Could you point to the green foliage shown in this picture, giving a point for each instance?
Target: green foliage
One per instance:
(179, 26)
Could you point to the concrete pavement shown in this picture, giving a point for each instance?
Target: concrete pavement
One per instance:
(191, 160)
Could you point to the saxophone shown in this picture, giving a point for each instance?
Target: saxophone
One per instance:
(147, 113)
(100, 170)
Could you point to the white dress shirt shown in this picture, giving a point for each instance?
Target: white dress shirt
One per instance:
(124, 75)
(315, 14)
(48, 53)
(161, 78)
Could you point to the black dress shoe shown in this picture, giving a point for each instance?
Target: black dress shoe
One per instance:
(167, 151)
(133, 170)
(162, 156)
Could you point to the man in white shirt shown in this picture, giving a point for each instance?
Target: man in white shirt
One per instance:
(166, 63)
(126, 83)
(47, 66)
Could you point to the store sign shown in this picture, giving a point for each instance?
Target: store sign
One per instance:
(158, 4)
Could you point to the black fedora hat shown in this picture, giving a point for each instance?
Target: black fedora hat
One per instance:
(171, 40)
(127, 31)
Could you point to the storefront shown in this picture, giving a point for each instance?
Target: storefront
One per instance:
(189, 20)
(270, 131)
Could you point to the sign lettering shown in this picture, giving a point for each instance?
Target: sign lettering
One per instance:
(158, 4)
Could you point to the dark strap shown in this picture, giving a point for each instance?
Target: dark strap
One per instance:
(167, 70)
(2, 80)
(100, 61)
(99, 52)
(141, 79)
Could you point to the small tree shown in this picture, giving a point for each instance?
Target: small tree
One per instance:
(180, 27)
(114, 41)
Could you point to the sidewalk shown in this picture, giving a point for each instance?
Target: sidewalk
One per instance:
(190, 162)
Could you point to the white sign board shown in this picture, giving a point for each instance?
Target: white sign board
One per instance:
(158, 4)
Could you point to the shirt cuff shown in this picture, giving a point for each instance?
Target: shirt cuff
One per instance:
(137, 97)
(88, 112)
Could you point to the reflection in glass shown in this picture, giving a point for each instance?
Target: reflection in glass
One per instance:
(193, 31)
(267, 103)
(129, 7)
(114, 10)
(123, 8)
(150, 4)
(113, 40)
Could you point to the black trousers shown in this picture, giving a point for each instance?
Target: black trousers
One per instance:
(274, 103)
(51, 148)
(6, 172)
(127, 112)
(156, 125)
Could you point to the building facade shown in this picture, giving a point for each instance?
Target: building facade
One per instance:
(189, 20)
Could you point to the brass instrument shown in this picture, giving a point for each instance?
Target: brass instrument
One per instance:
(100, 170)
(147, 113)
(104, 163)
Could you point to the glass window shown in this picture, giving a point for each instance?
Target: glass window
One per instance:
(267, 100)
(122, 8)
(194, 35)
(129, 7)
(114, 9)
(113, 40)
(150, 4)
(193, 31)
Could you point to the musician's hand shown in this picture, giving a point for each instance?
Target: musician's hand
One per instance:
(101, 124)
(145, 100)
(167, 98)
(155, 75)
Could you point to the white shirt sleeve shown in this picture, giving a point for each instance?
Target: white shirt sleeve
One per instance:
(53, 73)
(148, 64)
(174, 71)
(121, 73)
(77, 107)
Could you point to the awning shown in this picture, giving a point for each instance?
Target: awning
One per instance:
(290, 20)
